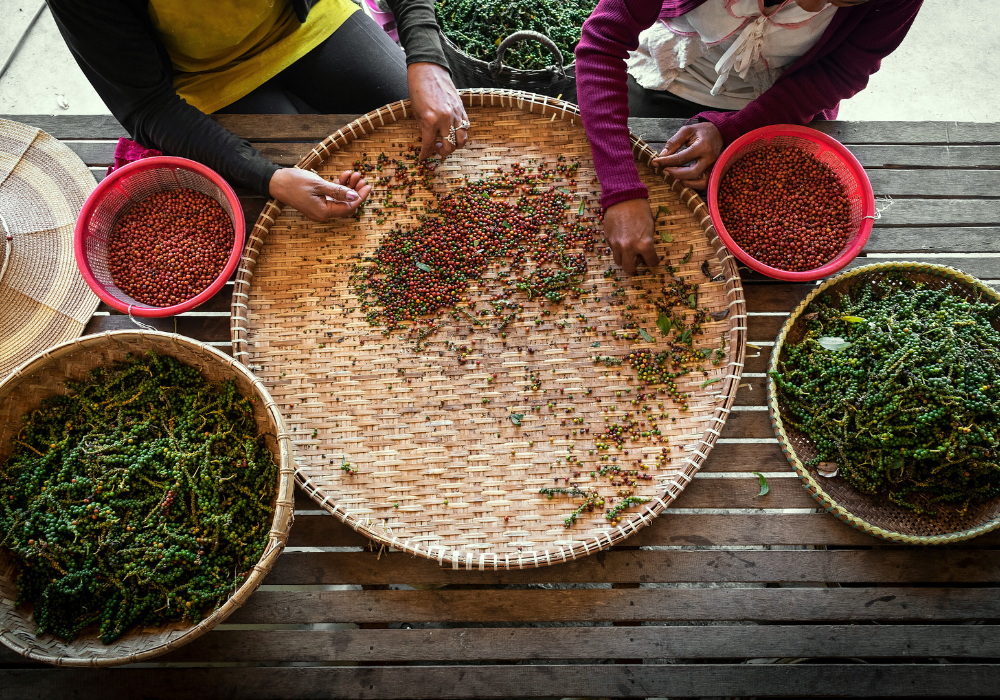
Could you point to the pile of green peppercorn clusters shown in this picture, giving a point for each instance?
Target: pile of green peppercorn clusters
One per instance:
(142, 496)
(478, 26)
(898, 384)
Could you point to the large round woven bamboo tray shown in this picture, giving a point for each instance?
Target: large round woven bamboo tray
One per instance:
(44, 376)
(861, 511)
(440, 474)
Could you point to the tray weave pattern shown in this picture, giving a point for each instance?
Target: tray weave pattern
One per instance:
(864, 512)
(440, 473)
(44, 376)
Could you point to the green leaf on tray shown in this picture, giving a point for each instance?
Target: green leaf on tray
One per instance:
(595, 345)
(645, 335)
(425, 267)
(663, 323)
(833, 343)
(666, 237)
(515, 418)
(579, 211)
(692, 300)
(764, 488)
(662, 210)
(853, 319)
(687, 256)
(708, 382)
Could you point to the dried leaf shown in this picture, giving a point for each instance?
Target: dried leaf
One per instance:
(645, 335)
(764, 488)
(425, 267)
(828, 469)
(811, 317)
(833, 343)
(515, 418)
(663, 323)
(719, 315)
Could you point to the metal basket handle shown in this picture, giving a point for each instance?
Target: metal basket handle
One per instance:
(496, 65)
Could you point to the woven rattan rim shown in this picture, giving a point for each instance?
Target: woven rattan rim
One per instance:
(558, 109)
(812, 485)
(37, 648)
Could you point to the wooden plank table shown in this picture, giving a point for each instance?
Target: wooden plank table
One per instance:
(725, 595)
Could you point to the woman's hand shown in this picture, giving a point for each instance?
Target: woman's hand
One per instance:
(437, 107)
(628, 229)
(700, 143)
(319, 199)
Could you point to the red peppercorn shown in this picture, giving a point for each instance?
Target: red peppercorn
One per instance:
(785, 208)
(170, 247)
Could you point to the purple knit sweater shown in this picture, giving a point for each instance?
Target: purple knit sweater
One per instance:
(837, 67)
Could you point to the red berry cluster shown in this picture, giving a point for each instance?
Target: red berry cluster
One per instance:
(785, 208)
(420, 270)
(170, 247)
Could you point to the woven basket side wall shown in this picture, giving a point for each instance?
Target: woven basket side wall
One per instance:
(43, 377)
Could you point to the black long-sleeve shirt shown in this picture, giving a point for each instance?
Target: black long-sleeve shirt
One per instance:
(119, 51)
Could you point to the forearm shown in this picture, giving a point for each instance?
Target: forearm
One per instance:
(802, 95)
(608, 35)
(419, 32)
(177, 128)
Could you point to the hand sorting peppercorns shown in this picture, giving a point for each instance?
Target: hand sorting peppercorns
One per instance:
(785, 208)
(170, 247)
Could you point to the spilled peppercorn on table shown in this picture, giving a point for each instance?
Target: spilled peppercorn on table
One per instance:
(727, 594)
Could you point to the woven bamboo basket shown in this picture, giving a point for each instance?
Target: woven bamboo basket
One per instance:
(42, 377)
(440, 474)
(861, 511)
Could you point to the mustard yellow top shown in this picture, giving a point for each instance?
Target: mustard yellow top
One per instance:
(224, 49)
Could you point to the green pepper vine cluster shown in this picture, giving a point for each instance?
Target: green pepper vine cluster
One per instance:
(899, 385)
(478, 26)
(143, 496)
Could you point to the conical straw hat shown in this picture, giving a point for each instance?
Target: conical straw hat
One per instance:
(43, 298)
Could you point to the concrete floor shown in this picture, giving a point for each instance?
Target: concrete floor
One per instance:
(946, 68)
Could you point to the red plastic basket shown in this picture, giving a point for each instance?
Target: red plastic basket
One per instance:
(857, 187)
(129, 185)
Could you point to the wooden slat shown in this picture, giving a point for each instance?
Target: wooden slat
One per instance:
(629, 604)
(706, 493)
(975, 265)
(934, 239)
(940, 212)
(317, 127)
(686, 642)
(288, 153)
(642, 680)
(935, 183)
(659, 130)
(671, 529)
(654, 566)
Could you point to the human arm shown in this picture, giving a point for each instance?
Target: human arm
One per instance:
(436, 102)
(118, 51)
(870, 33)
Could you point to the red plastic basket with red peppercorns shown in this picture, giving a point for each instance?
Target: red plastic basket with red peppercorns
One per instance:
(159, 236)
(791, 202)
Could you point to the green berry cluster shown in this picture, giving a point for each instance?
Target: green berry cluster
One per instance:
(478, 26)
(142, 496)
(899, 384)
